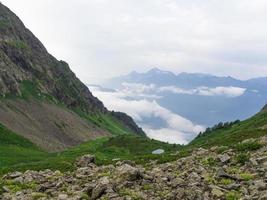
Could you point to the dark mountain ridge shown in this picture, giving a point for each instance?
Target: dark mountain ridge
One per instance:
(24, 57)
(184, 79)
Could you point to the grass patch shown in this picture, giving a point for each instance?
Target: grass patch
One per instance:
(233, 196)
(18, 44)
(132, 194)
(234, 134)
(209, 161)
(248, 146)
(242, 158)
(19, 154)
(246, 176)
(105, 121)
(16, 186)
(4, 24)
(226, 181)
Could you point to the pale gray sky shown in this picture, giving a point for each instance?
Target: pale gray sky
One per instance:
(104, 38)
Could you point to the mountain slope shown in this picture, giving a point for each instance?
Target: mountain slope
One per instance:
(39, 94)
(253, 127)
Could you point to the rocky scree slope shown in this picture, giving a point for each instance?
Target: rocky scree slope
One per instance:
(217, 173)
(37, 90)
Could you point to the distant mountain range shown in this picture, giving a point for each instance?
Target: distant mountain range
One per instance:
(202, 98)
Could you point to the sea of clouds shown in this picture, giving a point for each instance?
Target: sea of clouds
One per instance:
(140, 102)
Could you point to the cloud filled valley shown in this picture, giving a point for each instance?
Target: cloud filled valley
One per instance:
(175, 107)
(142, 106)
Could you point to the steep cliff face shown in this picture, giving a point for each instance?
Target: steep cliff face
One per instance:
(23, 57)
(27, 67)
(264, 109)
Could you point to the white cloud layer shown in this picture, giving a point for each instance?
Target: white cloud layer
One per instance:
(206, 91)
(104, 38)
(177, 130)
(151, 90)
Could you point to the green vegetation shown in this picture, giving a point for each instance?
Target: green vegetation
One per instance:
(218, 126)
(226, 181)
(18, 44)
(14, 186)
(17, 153)
(209, 161)
(15, 149)
(242, 158)
(29, 90)
(246, 176)
(248, 146)
(105, 121)
(4, 24)
(232, 135)
(233, 196)
(127, 192)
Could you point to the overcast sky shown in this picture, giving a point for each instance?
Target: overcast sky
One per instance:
(104, 38)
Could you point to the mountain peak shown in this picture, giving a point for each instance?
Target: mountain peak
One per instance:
(156, 70)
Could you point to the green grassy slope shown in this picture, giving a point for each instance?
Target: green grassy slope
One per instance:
(253, 127)
(17, 153)
(16, 149)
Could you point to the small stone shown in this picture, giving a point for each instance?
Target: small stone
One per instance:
(37, 195)
(98, 191)
(194, 177)
(129, 172)
(14, 175)
(6, 189)
(263, 196)
(253, 161)
(260, 185)
(262, 159)
(233, 186)
(62, 197)
(217, 193)
(177, 182)
(224, 158)
(202, 151)
(222, 174)
(85, 160)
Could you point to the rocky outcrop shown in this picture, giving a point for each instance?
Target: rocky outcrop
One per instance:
(217, 173)
(85, 161)
(128, 122)
(264, 109)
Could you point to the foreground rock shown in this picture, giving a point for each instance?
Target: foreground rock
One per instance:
(205, 175)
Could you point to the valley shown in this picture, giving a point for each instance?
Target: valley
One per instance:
(146, 140)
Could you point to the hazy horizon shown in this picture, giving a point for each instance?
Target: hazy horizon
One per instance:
(175, 73)
(100, 39)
